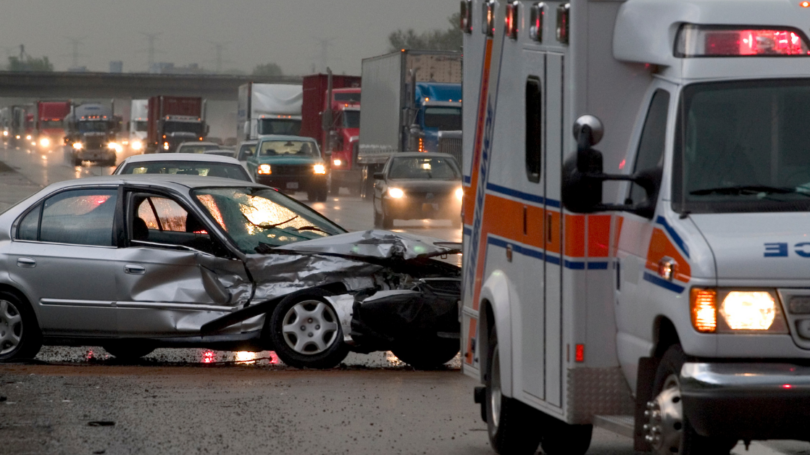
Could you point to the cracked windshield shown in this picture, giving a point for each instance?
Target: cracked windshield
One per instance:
(256, 218)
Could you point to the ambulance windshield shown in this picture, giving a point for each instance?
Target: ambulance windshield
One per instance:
(743, 147)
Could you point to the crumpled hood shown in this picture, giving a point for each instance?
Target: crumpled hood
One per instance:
(758, 246)
(378, 245)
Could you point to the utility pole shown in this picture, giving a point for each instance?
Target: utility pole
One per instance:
(151, 51)
(75, 42)
(323, 57)
(219, 60)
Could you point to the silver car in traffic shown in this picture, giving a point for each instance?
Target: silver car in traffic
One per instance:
(133, 263)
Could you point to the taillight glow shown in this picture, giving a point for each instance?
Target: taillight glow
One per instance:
(805, 4)
(715, 41)
(704, 310)
(579, 355)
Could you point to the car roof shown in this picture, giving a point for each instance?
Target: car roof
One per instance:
(248, 143)
(175, 182)
(421, 155)
(195, 157)
(278, 137)
(207, 144)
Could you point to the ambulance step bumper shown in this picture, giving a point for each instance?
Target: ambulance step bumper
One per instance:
(621, 425)
(747, 400)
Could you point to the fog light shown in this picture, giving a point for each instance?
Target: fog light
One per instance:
(265, 169)
(396, 193)
(749, 310)
(320, 169)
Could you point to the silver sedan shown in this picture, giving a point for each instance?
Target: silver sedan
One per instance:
(133, 263)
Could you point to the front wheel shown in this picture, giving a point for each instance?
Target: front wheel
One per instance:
(428, 354)
(668, 430)
(306, 332)
(511, 425)
(20, 337)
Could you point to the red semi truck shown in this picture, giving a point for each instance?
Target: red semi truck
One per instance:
(331, 116)
(174, 120)
(50, 126)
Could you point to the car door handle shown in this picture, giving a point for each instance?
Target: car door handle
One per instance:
(134, 270)
(26, 263)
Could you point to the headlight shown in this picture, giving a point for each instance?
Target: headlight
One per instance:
(137, 145)
(320, 169)
(337, 163)
(45, 142)
(265, 169)
(5, 133)
(165, 146)
(78, 145)
(460, 194)
(114, 146)
(396, 193)
(738, 311)
(28, 137)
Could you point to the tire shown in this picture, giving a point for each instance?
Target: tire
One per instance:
(677, 435)
(511, 425)
(301, 348)
(129, 351)
(20, 336)
(428, 354)
(311, 195)
(323, 193)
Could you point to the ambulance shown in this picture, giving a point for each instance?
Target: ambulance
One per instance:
(637, 222)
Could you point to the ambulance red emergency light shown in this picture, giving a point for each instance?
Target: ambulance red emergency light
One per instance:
(657, 286)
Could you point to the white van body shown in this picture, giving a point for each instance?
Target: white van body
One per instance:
(138, 124)
(586, 305)
(263, 108)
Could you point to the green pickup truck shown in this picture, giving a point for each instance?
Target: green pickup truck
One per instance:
(291, 164)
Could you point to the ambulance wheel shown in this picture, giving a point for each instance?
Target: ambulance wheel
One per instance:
(305, 331)
(428, 354)
(668, 429)
(560, 438)
(511, 425)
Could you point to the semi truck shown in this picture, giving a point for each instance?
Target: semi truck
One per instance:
(331, 116)
(266, 109)
(654, 286)
(50, 126)
(411, 96)
(91, 134)
(21, 124)
(173, 120)
(138, 125)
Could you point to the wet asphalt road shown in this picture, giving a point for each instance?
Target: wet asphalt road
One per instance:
(80, 400)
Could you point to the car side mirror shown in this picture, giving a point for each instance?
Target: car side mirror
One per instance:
(583, 175)
(379, 176)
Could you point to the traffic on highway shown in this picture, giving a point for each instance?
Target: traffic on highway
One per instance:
(570, 227)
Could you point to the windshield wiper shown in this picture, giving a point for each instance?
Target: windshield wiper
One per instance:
(745, 189)
(312, 228)
(269, 226)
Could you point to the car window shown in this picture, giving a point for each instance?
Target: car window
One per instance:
(289, 148)
(230, 171)
(198, 149)
(79, 217)
(161, 220)
(29, 226)
(246, 151)
(423, 168)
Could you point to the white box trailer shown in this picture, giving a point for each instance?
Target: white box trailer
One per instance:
(657, 288)
(268, 109)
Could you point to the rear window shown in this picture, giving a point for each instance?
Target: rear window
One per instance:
(229, 171)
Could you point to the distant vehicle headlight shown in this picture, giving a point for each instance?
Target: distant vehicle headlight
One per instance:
(28, 137)
(17, 137)
(5, 133)
(165, 146)
(45, 142)
(320, 169)
(265, 169)
(114, 146)
(78, 145)
(396, 193)
(137, 145)
(460, 194)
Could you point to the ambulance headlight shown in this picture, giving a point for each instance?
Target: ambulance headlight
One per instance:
(737, 311)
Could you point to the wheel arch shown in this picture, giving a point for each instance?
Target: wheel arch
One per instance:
(665, 335)
(495, 311)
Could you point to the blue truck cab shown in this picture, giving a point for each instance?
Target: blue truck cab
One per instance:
(438, 109)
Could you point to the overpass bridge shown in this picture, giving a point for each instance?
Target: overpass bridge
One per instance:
(63, 85)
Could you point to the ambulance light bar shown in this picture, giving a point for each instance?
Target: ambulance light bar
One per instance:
(512, 19)
(488, 18)
(538, 15)
(739, 41)
(466, 16)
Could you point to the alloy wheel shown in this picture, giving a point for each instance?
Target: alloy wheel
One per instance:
(310, 327)
(11, 327)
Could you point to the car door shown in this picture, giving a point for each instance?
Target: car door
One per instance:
(62, 257)
(173, 275)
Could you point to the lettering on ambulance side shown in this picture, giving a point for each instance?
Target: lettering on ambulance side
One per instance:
(782, 250)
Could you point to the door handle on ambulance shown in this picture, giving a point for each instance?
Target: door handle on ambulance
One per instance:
(26, 263)
(134, 270)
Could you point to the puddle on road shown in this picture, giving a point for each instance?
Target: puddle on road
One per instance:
(56, 355)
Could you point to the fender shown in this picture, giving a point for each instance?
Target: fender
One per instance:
(496, 294)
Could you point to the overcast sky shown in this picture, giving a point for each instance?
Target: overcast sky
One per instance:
(286, 32)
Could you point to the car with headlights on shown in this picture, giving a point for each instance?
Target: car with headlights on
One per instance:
(291, 164)
(418, 186)
(138, 262)
(183, 164)
(197, 147)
